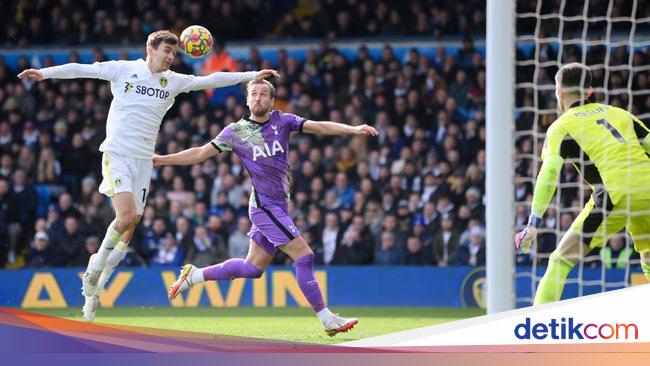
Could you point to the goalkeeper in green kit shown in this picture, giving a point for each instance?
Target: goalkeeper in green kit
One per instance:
(613, 146)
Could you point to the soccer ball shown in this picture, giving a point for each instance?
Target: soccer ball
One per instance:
(196, 41)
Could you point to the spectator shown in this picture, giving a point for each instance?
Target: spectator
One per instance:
(389, 253)
(204, 252)
(69, 243)
(472, 253)
(6, 207)
(48, 169)
(404, 217)
(356, 246)
(91, 245)
(41, 254)
(168, 254)
(21, 213)
(343, 192)
(416, 253)
(183, 234)
(30, 134)
(66, 206)
(75, 163)
(88, 187)
(446, 242)
(331, 235)
(6, 166)
(430, 218)
(216, 230)
(391, 225)
(154, 238)
(617, 254)
(219, 60)
(104, 211)
(91, 224)
(238, 242)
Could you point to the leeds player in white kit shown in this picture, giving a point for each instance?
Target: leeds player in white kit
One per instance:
(143, 91)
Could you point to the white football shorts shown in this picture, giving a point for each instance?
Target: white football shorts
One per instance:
(125, 174)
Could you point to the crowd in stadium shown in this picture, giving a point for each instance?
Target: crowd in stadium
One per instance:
(412, 196)
(83, 22)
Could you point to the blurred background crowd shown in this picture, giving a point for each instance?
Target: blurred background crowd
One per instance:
(412, 196)
(87, 22)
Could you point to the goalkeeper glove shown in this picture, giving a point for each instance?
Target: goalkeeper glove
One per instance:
(524, 239)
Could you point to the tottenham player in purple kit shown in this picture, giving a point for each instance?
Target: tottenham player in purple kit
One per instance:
(261, 142)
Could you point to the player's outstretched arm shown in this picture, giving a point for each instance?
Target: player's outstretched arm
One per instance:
(546, 183)
(31, 74)
(222, 79)
(186, 157)
(334, 128)
(97, 70)
(545, 187)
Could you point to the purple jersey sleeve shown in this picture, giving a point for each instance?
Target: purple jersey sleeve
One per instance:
(223, 141)
(294, 122)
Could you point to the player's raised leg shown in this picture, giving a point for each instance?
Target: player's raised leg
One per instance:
(639, 229)
(116, 255)
(94, 271)
(303, 258)
(114, 258)
(122, 176)
(125, 217)
(253, 266)
(596, 222)
(560, 263)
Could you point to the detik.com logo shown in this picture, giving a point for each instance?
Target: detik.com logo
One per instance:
(569, 328)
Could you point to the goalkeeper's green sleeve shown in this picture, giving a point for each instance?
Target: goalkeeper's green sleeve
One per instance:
(642, 131)
(646, 145)
(546, 184)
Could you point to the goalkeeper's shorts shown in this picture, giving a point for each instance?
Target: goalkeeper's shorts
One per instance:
(600, 219)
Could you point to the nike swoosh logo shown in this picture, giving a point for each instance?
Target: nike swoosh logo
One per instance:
(246, 138)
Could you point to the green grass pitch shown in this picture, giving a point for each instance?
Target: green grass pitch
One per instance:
(289, 324)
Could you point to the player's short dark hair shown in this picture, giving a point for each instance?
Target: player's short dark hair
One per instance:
(162, 36)
(265, 82)
(574, 77)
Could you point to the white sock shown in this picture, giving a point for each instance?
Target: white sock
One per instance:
(197, 276)
(324, 315)
(113, 260)
(109, 242)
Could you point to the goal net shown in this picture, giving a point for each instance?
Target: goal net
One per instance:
(612, 38)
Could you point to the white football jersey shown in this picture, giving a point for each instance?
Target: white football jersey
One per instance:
(140, 99)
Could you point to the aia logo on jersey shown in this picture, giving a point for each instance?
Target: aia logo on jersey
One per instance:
(266, 151)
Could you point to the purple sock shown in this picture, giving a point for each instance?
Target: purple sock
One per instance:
(231, 269)
(307, 282)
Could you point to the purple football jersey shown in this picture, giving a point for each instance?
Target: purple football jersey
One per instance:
(263, 149)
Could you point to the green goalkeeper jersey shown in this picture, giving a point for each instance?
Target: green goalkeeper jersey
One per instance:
(610, 148)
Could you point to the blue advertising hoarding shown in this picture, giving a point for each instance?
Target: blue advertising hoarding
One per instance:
(342, 286)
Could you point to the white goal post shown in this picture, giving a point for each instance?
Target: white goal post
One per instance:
(499, 180)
